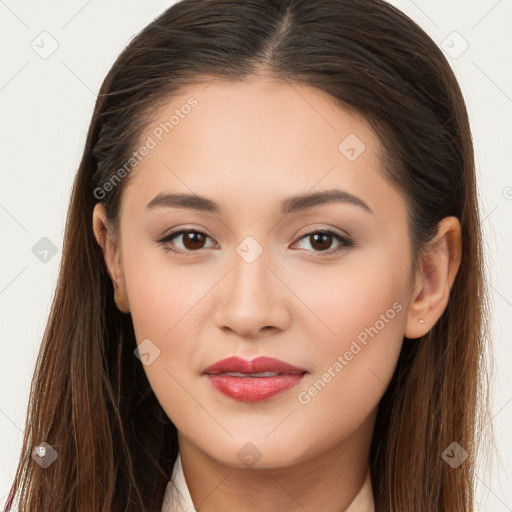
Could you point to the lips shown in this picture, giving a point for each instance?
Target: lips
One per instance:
(258, 365)
(255, 380)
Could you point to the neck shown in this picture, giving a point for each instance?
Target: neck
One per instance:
(328, 481)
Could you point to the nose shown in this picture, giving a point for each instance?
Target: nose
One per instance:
(253, 300)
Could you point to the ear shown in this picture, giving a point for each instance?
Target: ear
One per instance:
(111, 253)
(438, 267)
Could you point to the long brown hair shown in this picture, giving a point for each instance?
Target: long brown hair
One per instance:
(90, 398)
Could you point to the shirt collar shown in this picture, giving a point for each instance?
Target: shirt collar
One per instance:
(177, 497)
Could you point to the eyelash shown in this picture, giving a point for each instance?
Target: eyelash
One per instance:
(345, 242)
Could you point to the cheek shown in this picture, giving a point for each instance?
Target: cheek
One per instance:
(163, 302)
(167, 304)
(358, 352)
(353, 301)
(162, 295)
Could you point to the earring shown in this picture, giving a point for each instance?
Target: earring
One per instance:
(120, 300)
(421, 321)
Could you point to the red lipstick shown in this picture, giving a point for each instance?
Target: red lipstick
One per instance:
(255, 380)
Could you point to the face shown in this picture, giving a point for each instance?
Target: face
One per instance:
(322, 285)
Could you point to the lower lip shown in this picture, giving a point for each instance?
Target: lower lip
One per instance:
(253, 389)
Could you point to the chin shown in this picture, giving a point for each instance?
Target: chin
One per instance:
(257, 450)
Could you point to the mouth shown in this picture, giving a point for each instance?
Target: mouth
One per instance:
(255, 380)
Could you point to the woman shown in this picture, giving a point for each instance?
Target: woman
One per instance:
(271, 295)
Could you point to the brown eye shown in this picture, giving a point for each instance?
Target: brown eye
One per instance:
(321, 241)
(193, 240)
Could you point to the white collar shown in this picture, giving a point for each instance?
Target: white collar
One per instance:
(177, 497)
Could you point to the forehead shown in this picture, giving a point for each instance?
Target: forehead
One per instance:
(255, 140)
(258, 114)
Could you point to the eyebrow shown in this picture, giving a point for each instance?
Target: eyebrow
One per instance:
(292, 204)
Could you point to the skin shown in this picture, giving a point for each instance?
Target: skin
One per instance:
(247, 146)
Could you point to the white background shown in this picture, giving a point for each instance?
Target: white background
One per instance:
(46, 106)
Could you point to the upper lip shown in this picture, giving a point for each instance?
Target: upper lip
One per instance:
(260, 364)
